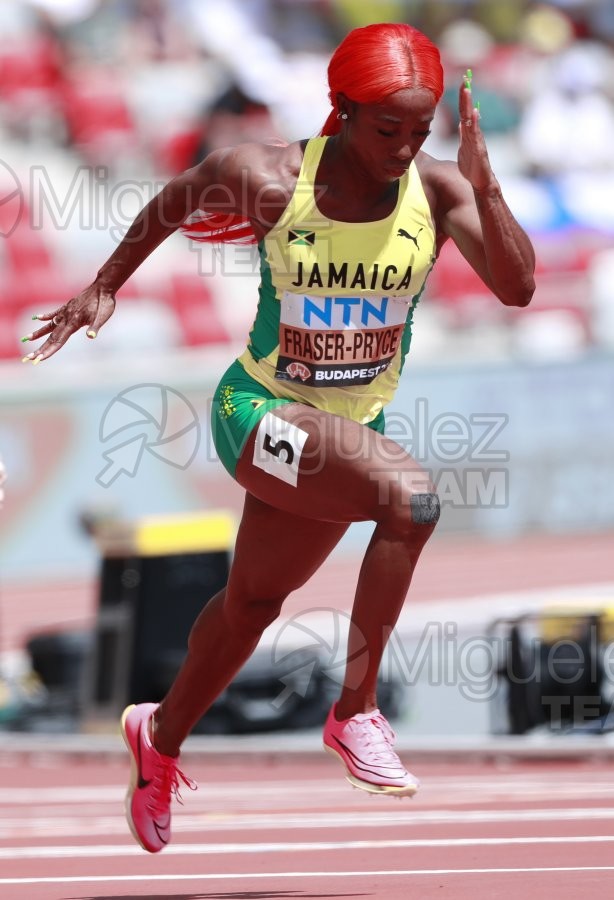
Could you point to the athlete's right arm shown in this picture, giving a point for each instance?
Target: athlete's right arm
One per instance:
(222, 182)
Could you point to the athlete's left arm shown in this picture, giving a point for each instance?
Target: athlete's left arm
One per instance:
(471, 210)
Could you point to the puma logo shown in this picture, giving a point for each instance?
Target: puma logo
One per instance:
(402, 233)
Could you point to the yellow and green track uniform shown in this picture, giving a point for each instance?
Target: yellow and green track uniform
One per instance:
(335, 311)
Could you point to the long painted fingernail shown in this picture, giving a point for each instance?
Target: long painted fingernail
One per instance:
(468, 78)
(27, 337)
(37, 360)
(91, 334)
(477, 106)
(28, 358)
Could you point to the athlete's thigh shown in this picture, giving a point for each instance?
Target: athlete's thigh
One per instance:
(276, 551)
(326, 467)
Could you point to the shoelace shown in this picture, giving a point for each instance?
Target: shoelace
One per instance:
(166, 783)
(378, 737)
(385, 726)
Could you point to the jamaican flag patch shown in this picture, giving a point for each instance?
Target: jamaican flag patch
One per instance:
(301, 238)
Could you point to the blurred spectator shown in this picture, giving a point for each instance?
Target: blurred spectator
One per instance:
(466, 44)
(235, 117)
(569, 123)
(546, 30)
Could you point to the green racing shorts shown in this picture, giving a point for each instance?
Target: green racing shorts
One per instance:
(239, 403)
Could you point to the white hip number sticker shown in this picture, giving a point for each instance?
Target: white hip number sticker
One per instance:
(278, 448)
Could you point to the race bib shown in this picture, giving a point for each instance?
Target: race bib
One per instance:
(278, 448)
(335, 341)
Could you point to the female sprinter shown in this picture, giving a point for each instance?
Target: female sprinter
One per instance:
(348, 226)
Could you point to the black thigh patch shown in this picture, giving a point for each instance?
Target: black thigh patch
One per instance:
(425, 509)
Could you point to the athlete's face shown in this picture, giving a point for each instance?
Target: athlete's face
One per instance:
(386, 136)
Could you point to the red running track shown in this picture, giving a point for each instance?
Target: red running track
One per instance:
(261, 828)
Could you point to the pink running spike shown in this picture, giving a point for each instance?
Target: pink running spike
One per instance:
(154, 779)
(364, 744)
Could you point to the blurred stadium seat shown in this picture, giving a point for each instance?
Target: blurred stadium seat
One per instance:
(143, 91)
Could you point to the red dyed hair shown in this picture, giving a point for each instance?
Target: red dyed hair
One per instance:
(378, 60)
(369, 64)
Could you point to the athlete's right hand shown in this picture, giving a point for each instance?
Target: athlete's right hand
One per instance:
(90, 309)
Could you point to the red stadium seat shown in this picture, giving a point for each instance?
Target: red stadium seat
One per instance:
(195, 308)
(98, 118)
(29, 65)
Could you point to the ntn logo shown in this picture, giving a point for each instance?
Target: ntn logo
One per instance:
(345, 312)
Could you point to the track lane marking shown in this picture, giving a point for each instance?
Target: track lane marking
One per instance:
(189, 824)
(102, 850)
(228, 876)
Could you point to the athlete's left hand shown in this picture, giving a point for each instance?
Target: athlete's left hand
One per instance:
(473, 160)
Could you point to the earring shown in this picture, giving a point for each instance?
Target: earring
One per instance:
(342, 115)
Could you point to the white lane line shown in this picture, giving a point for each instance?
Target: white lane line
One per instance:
(100, 850)
(229, 876)
(78, 826)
